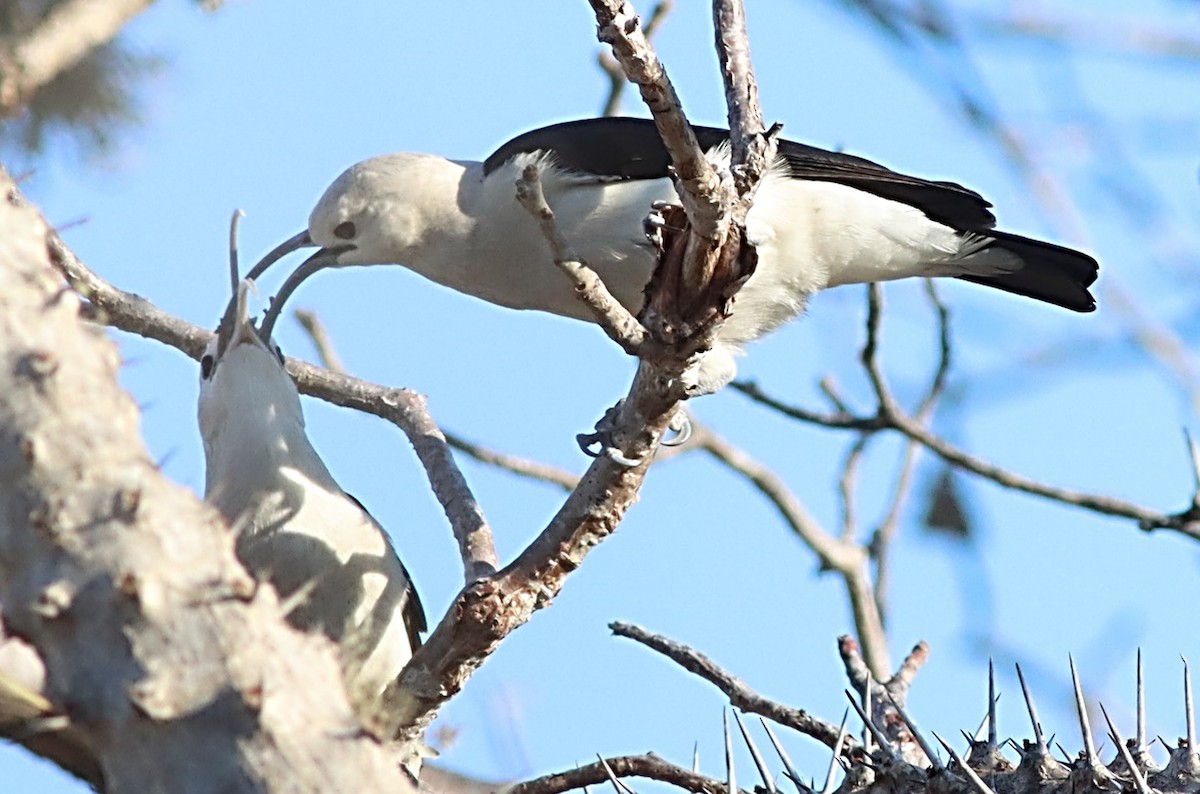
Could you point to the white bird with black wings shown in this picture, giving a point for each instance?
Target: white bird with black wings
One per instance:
(820, 219)
(333, 566)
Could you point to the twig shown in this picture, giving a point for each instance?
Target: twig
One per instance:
(740, 695)
(750, 148)
(68, 33)
(648, 766)
(608, 64)
(841, 555)
(706, 197)
(890, 415)
(532, 469)
(621, 326)
(327, 355)
(881, 539)
(409, 411)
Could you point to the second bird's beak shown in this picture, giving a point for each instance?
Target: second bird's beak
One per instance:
(235, 328)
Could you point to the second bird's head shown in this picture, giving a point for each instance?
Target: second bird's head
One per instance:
(244, 388)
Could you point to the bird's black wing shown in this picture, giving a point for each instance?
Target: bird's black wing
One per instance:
(412, 611)
(626, 148)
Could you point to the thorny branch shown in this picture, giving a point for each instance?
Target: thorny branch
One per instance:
(740, 695)
(647, 766)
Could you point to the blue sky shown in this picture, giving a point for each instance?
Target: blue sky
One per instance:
(265, 104)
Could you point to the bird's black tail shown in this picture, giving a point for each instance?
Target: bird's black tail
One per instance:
(1049, 272)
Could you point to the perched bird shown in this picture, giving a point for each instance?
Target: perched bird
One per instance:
(820, 219)
(333, 566)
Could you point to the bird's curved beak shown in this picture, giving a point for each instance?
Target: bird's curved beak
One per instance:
(294, 243)
(323, 258)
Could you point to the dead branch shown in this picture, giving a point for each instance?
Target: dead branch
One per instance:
(648, 766)
(616, 321)
(740, 695)
(608, 64)
(842, 555)
(890, 415)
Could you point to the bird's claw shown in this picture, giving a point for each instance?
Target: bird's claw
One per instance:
(601, 439)
(604, 448)
(679, 430)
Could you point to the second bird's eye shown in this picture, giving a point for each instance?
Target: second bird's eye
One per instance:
(206, 367)
(345, 230)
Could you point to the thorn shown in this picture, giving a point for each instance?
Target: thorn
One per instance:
(837, 752)
(696, 757)
(971, 739)
(1194, 454)
(1066, 756)
(1089, 746)
(732, 785)
(617, 784)
(1037, 725)
(1141, 706)
(926, 747)
(870, 726)
(869, 707)
(991, 705)
(755, 754)
(1189, 711)
(970, 773)
(788, 770)
(1138, 778)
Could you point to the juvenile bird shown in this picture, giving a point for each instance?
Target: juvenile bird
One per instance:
(820, 219)
(333, 566)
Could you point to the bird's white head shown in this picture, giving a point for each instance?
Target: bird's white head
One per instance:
(401, 209)
(247, 399)
(383, 210)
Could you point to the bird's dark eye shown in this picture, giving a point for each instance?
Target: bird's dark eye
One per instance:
(345, 230)
(279, 354)
(206, 367)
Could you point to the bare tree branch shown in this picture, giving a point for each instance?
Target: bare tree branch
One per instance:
(704, 194)
(740, 695)
(648, 766)
(891, 415)
(616, 321)
(842, 555)
(69, 32)
(608, 64)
